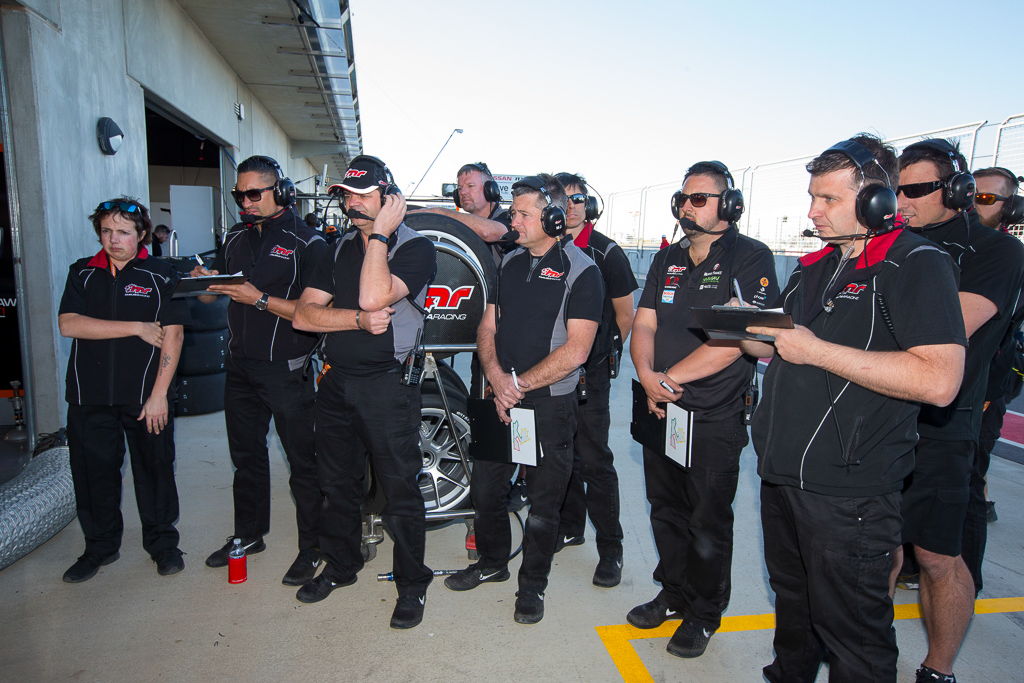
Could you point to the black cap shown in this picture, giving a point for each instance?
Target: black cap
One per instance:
(364, 176)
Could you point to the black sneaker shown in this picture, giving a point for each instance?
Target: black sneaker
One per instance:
(564, 541)
(517, 498)
(303, 569)
(926, 674)
(219, 558)
(472, 576)
(86, 566)
(169, 562)
(319, 588)
(690, 640)
(408, 611)
(651, 614)
(609, 572)
(529, 607)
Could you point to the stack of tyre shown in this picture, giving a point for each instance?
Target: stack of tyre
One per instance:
(203, 351)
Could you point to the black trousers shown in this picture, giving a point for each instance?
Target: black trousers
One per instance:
(546, 484)
(691, 518)
(378, 416)
(828, 562)
(254, 392)
(976, 522)
(96, 440)
(594, 486)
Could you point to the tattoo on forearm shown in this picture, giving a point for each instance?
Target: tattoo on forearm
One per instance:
(165, 361)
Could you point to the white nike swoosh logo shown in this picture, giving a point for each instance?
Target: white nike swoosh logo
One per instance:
(668, 612)
(484, 577)
(707, 634)
(249, 545)
(618, 563)
(541, 596)
(567, 539)
(316, 563)
(423, 601)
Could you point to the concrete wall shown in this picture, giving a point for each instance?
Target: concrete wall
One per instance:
(67, 64)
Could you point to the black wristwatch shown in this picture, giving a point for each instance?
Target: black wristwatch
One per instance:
(262, 302)
(381, 238)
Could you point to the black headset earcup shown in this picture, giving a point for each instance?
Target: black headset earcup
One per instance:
(730, 205)
(876, 208)
(492, 193)
(675, 204)
(284, 192)
(1013, 211)
(959, 191)
(456, 199)
(590, 211)
(552, 219)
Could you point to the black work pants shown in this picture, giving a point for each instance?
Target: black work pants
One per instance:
(828, 562)
(976, 522)
(378, 416)
(546, 484)
(254, 392)
(691, 518)
(594, 486)
(96, 441)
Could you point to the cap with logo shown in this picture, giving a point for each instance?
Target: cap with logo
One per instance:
(365, 175)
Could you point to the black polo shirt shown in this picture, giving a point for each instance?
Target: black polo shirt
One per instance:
(499, 249)
(991, 265)
(281, 257)
(121, 371)
(534, 299)
(617, 275)
(822, 433)
(357, 353)
(675, 285)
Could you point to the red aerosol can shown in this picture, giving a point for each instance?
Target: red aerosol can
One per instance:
(236, 563)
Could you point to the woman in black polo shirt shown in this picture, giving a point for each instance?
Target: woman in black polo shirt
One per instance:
(127, 336)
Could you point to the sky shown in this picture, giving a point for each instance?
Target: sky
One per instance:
(631, 95)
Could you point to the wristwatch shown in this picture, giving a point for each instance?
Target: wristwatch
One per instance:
(262, 302)
(381, 238)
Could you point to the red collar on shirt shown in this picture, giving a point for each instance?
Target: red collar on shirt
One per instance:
(100, 260)
(583, 239)
(874, 252)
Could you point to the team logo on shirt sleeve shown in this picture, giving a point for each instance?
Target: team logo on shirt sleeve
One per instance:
(281, 252)
(136, 290)
(551, 274)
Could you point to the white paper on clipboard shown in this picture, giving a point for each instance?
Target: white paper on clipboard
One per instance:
(524, 436)
(678, 434)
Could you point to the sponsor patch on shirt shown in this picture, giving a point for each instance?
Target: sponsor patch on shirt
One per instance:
(672, 270)
(668, 296)
(281, 252)
(551, 274)
(136, 290)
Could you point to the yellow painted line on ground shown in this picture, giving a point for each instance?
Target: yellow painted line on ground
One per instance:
(616, 638)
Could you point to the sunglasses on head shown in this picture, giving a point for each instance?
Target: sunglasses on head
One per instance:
(577, 198)
(127, 207)
(251, 195)
(988, 198)
(697, 199)
(915, 190)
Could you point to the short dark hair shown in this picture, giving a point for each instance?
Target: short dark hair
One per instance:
(934, 153)
(479, 166)
(555, 190)
(709, 169)
(575, 179)
(263, 165)
(1011, 182)
(883, 172)
(143, 226)
(161, 228)
(312, 220)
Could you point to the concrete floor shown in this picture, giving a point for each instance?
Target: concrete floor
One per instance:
(128, 623)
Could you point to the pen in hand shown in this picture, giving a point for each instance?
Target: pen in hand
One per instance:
(736, 289)
(199, 260)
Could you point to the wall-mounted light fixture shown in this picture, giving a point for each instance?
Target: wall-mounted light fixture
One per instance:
(108, 135)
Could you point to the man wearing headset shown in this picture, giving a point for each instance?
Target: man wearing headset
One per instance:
(537, 331)
(372, 311)
(996, 199)
(691, 507)
(594, 487)
(875, 330)
(280, 256)
(936, 194)
(478, 196)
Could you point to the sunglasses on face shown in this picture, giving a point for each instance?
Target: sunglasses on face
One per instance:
(578, 198)
(916, 190)
(697, 199)
(127, 207)
(251, 195)
(988, 198)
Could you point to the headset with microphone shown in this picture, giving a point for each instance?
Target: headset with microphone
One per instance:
(492, 193)
(552, 217)
(730, 201)
(284, 189)
(1013, 206)
(958, 187)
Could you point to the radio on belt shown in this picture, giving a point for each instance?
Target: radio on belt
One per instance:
(412, 369)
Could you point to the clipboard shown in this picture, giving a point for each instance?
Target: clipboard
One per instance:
(188, 285)
(494, 441)
(731, 322)
(671, 436)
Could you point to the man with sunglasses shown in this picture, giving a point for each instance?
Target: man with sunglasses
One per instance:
(691, 507)
(371, 309)
(127, 333)
(280, 257)
(594, 486)
(996, 199)
(935, 197)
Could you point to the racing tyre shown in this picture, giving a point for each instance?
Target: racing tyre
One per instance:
(203, 353)
(200, 394)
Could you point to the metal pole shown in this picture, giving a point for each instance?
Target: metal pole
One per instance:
(454, 131)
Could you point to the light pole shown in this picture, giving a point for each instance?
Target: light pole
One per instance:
(454, 131)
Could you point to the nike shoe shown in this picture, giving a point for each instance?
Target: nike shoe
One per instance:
(472, 576)
(322, 586)
(926, 674)
(529, 607)
(408, 611)
(219, 557)
(651, 614)
(517, 498)
(303, 569)
(690, 640)
(609, 572)
(86, 566)
(564, 541)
